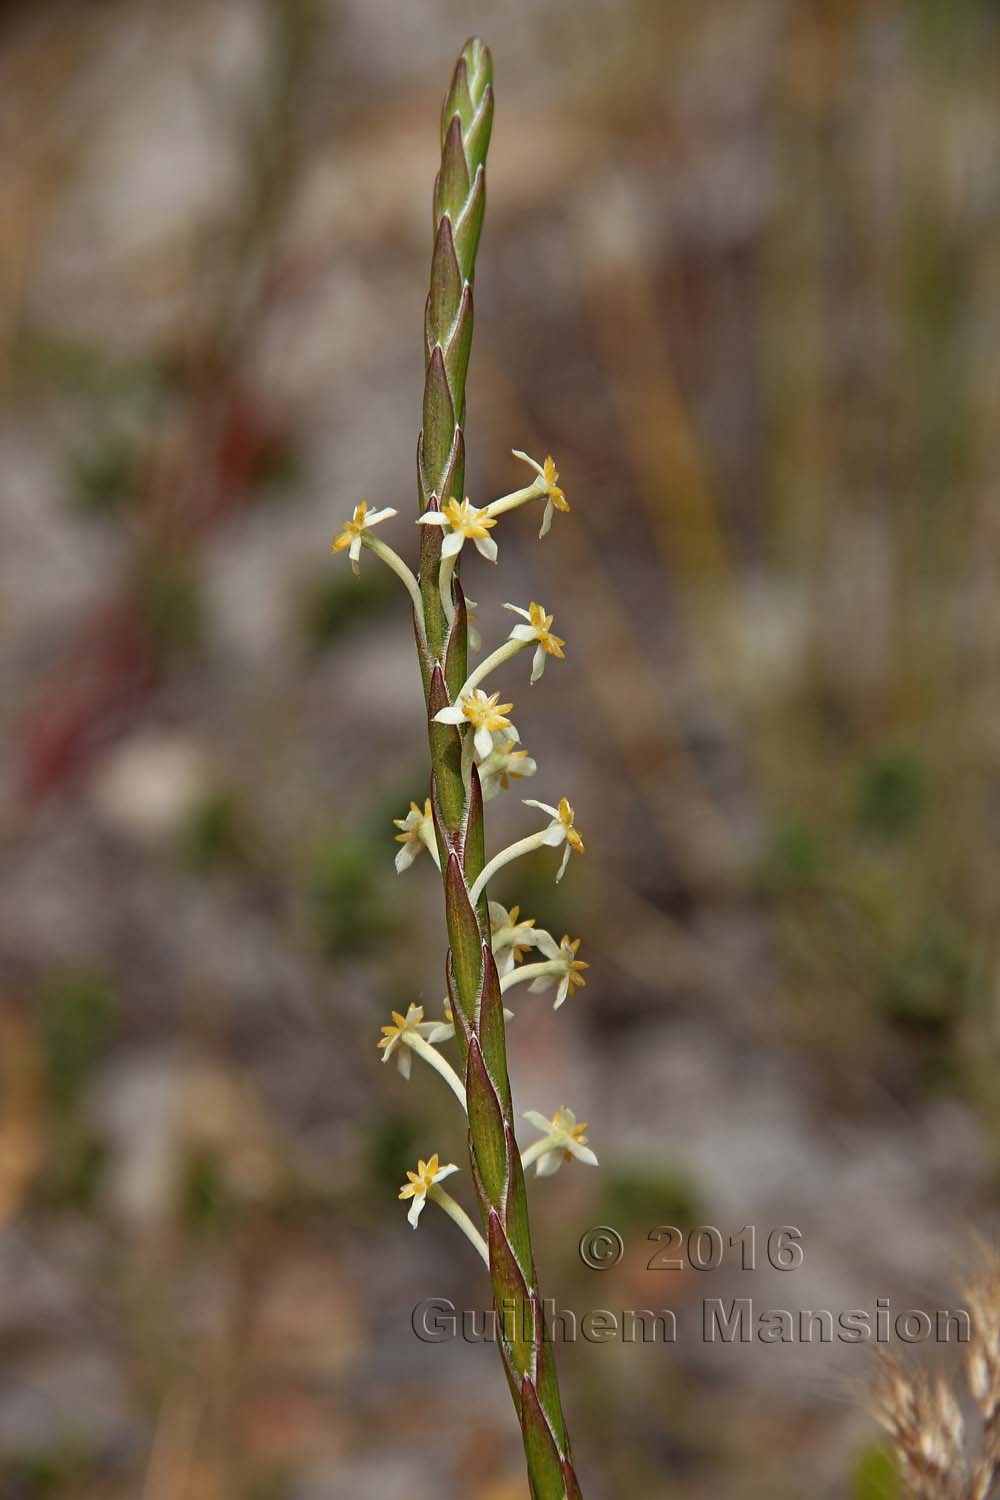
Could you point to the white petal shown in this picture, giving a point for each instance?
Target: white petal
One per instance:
(516, 609)
(524, 457)
(525, 767)
(376, 516)
(483, 742)
(562, 992)
(354, 553)
(548, 1163)
(522, 633)
(547, 943)
(562, 867)
(536, 1118)
(554, 836)
(486, 547)
(508, 1015)
(441, 1031)
(390, 1049)
(405, 855)
(432, 518)
(504, 960)
(491, 787)
(405, 1060)
(538, 665)
(553, 812)
(582, 1153)
(452, 544)
(416, 1208)
(546, 519)
(452, 715)
(542, 983)
(499, 915)
(445, 1171)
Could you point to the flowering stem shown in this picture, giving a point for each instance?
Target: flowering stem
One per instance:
(395, 562)
(495, 659)
(513, 851)
(514, 499)
(531, 971)
(431, 1055)
(458, 1216)
(473, 985)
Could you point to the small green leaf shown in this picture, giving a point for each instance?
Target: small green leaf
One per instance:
(477, 137)
(439, 423)
(547, 1387)
(453, 182)
(456, 354)
(491, 1028)
(545, 1468)
(445, 295)
(463, 936)
(516, 1209)
(452, 478)
(486, 1125)
(458, 100)
(456, 659)
(511, 1299)
(446, 756)
(469, 226)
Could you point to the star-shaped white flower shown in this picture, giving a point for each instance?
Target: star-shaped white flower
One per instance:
(503, 764)
(560, 830)
(512, 937)
(393, 1036)
(538, 628)
(461, 523)
(546, 484)
(417, 834)
(420, 1183)
(351, 538)
(562, 1139)
(485, 715)
(569, 976)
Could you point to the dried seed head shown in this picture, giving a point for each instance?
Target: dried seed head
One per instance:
(925, 1424)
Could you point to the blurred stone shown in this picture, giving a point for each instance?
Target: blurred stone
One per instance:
(147, 787)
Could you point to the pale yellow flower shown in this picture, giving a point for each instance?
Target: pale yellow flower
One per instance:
(351, 538)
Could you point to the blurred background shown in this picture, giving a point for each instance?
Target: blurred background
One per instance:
(741, 276)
